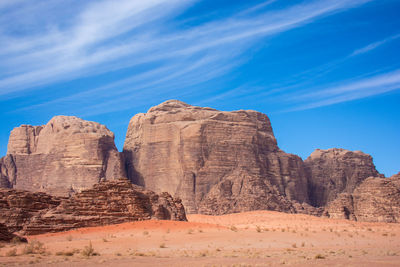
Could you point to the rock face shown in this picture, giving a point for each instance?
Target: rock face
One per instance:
(17, 207)
(334, 171)
(216, 162)
(108, 202)
(66, 155)
(6, 236)
(374, 200)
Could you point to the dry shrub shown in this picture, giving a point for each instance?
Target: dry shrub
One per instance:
(34, 247)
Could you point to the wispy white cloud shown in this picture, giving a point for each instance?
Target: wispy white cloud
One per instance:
(374, 45)
(344, 92)
(107, 36)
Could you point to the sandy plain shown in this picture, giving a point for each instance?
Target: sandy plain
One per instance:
(259, 238)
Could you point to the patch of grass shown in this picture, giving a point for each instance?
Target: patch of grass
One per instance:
(11, 253)
(319, 257)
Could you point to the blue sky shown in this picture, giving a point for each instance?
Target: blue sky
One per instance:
(327, 73)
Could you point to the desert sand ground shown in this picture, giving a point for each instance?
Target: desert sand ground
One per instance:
(261, 238)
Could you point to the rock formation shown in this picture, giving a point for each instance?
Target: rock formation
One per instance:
(108, 202)
(374, 200)
(7, 236)
(334, 171)
(216, 162)
(17, 207)
(66, 155)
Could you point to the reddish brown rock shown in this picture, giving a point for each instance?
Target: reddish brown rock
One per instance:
(110, 202)
(216, 162)
(18, 207)
(374, 200)
(336, 171)
(66, 155)
(7, 236)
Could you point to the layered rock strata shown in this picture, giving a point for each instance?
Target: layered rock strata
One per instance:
(17, 207)
(334, 171)
(216, 162)
(64, 156)
(106, 203)
(374, 200)
(7, 236)
(109, 202)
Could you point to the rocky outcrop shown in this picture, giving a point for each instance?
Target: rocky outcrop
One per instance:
(108, 202)
(7, 236)
(17, 207)
(374, 200)
(336, 171)
(216, 162)
(66, 155)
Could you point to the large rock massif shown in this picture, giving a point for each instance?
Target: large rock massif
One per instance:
(108, 202)
(217, 162)
(64, 156)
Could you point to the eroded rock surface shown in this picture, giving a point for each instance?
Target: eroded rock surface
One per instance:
(17, 207)
(374, 200)
(109, 202)
(216, 162)
(106, 203)
(336, 171)
(66, 155)
(7, 236)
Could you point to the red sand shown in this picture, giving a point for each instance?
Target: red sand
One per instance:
(260, 238)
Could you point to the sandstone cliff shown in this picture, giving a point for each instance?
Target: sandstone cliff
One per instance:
(108, 202)
(66, 155)
(217, 162)
(334, 171)
(374, 200)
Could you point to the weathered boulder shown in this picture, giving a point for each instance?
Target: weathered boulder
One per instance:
(336, 171)
(66, 155)
(109, 202)
(374, 200)
(216, 162)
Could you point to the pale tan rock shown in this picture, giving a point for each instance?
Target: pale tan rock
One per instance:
(66, 155)
(336, 171)
(202, 154)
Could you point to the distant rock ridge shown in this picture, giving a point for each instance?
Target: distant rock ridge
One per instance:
(109, 202)
(217, 162)
(376, 199)
(66, 155)
(334, 171)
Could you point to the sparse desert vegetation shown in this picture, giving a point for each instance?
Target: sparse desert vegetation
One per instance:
(260, 238)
